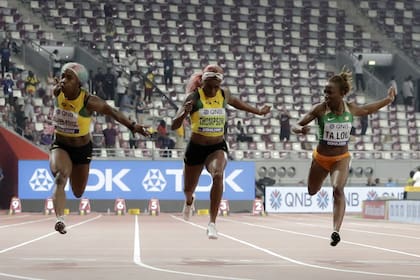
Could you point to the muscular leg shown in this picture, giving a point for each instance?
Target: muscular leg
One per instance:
(215, 164)
(191, 175)
(316, 177)
(339, 174)
(78, 179)
(61, 167)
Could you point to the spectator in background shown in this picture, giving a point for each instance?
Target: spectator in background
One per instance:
(284, 125)
(31, 83)
(168, 69)
(99, 81)
(393, 83)
(148, 85)
(56, 63)
(108, 11)
(127, 105)
(132, 62)
(29, 134)
(390, 183)
(140, 108)
(20, 120)
(408, 91)
(416, 178)
(110, 137)
(364, 123)
(110, 33)
(122, 85)
(97, 139)
(109, 84)
(46, 135)
(358, 70)
(8, 85)
(5, 57)
(240, 133)
(29, 109)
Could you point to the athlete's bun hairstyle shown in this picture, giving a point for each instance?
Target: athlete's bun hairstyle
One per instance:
(344, 79)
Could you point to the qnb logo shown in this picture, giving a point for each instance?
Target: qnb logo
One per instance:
(372, 195)
(322, 199)
(275, 199)
(154, 181)
(41, 180)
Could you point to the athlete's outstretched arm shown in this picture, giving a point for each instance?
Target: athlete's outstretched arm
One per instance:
(239, 104)
(301, 126)
(99, 105)
(373, 107)
(183, 112)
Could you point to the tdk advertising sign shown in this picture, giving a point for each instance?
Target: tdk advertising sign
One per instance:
(137, 180)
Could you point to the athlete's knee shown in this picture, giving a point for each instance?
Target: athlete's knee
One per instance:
(313, 189)
(78, 192)
(217, 177)
(338, 193)
(61, 179)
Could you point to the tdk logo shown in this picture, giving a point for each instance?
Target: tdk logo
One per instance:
(41, 180)
(154, 181)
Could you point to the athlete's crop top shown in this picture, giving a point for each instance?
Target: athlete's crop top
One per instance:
(335, 130)
(71, 118)
(208, 115)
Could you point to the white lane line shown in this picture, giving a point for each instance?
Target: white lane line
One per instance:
(322, 237)
(137, 260)
(45, 236)
(269, 252)
(19, 277)
(363, 231)
(26, 223)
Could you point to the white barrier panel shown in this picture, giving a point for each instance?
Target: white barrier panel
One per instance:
(15, 205)
(404, 211)
(224, 208)
(154, 207)
(297, 199)
(84, 206)
(120, 207)
(49, 206)
(258, 207)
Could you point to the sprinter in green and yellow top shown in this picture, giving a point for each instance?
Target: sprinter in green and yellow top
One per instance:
(71, 151)
(331, 156)
(206, 104)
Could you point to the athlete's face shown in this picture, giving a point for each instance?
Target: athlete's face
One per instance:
(70, 84)
(332, 92)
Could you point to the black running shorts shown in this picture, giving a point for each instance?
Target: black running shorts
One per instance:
(197, 154)
(78, 155)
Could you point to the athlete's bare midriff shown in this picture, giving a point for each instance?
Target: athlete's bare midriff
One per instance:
(328, 150)
(73, 141)
(205, 140)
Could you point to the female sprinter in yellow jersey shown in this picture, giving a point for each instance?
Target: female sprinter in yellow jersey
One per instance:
(331, 156)
(206, 104)
(71, 151)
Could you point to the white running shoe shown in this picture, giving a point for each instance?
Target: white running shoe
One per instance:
(187, 211)
(212, 231)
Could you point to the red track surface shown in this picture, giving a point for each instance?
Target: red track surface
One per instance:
(273, 247)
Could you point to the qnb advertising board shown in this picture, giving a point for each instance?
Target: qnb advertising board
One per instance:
(138, 180)
(297, 199)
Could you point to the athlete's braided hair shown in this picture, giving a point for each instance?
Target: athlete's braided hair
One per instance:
(343, 79)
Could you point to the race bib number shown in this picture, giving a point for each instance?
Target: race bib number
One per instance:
(337, 134)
